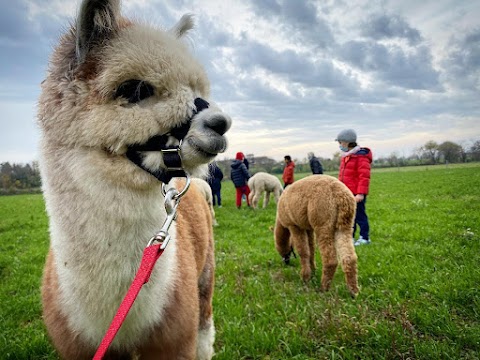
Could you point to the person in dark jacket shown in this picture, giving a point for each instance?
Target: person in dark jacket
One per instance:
(240, 176)
(355, 174)
(315, 164)
(215, 176)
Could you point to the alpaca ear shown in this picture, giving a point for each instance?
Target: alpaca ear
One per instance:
(183, 25)
(97, 21)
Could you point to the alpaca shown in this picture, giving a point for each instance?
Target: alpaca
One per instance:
(114, 91)
(263, 182)
(321, 208)
(206, 191)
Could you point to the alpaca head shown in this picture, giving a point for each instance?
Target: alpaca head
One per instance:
(113, 84)
(283, 242)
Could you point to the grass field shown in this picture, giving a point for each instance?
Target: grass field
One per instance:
(420, 278)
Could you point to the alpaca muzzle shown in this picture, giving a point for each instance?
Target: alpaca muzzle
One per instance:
(171, 154)
(286, 258)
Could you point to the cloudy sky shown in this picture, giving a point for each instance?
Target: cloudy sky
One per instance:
(291, 73)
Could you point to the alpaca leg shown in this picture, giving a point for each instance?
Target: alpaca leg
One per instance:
(348, 259)
(276, 195)
(250, 197)
(206, 334)
(311, 246)
(300, 243)
(329, 256)
(215, 223)
(256, 198)
(266, 199)
(212, 212)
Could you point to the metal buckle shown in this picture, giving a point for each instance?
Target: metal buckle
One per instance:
(173, 151)
(172, 199)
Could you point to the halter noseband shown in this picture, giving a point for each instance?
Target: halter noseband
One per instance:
(171, 154)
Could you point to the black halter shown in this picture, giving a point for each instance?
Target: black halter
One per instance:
(171, 154)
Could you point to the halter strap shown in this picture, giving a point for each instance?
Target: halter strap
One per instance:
(171, 154)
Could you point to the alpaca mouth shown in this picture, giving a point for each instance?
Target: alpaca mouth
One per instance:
(164, 141)
(171, 138)
(286, 258)
(208, 150)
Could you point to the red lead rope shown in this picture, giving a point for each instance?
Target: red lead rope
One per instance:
(149, 258)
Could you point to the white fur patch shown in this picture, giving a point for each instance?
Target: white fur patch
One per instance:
(97, 259)
(206, 338)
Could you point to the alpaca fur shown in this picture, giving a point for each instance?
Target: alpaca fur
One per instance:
(206, 191)
(264, 182)
(103, 209)
(319, 208)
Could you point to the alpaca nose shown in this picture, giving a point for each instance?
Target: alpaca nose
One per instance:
(218, 123)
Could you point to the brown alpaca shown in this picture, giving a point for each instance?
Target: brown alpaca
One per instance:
(318, 207)
(112, 86)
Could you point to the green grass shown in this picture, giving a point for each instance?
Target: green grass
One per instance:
(419, 298)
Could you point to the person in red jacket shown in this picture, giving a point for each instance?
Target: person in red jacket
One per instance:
(288, 170)
(355, 174)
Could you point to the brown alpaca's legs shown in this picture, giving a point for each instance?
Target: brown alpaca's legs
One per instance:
(206, 284)
(311, 245)
(348, 258)
(329, 256)
(300, 243)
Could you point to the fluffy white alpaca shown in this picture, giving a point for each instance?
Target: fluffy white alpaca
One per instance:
(114, 85)
(264, 182)
(206, 191)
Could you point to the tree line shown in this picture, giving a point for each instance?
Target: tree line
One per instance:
(431, 153)
(25, 178)
(19, 178)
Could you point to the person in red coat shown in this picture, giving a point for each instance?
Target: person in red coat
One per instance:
(240, 175)
(355, 174)
(288, 171)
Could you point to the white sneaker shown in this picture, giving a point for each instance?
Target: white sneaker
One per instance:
(362, 241)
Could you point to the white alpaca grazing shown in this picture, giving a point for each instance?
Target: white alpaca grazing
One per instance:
(115, 91)
(263, 182)
(206, 191)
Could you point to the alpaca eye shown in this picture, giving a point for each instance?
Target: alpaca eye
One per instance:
(134, 90)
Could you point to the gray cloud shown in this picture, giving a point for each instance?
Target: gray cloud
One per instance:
(25, 45)
(299, 21)
(392, 64)
(385, 26)
(462, 63)
(331, 69)
(292, 66)
(13, 23)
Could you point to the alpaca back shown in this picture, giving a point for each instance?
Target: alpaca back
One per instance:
(262, 181)
(316, 201)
